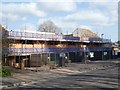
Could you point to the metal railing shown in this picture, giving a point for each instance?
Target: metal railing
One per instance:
(99, 40)
(53, 36)
(43, 50)
(50, 36)
(100, 48)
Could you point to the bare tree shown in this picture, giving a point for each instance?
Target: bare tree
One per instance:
(49, 26)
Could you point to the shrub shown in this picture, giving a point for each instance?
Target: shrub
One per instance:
(4, 72)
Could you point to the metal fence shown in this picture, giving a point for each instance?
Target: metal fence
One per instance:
(46, 36)
(95, 39)
(42, 50)
(53, 36)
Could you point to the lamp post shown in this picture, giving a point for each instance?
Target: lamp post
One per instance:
(102, 45)
(109, 41)
(84, 47)
(61, 54)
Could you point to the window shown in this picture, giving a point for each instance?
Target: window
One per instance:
(91, 54)
(52, 43)
(17, 60)
(26, 41)
(105, 53)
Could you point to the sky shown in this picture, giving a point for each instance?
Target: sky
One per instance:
(100, 16)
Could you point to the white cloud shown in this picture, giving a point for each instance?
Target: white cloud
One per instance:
(108, 8)
(13, 18)
(16, 0)
(17, 11)
(75, 0)
(22, 9)
(90, 16)
(106, 5)
(28, 27)
(58, 6)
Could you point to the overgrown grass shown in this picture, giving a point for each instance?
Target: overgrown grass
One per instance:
(4, 72)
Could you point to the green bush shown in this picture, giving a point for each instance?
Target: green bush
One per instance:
(4, 72)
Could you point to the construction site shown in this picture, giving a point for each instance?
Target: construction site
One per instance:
(34, 49)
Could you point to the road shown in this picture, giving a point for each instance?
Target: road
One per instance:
(103, 79)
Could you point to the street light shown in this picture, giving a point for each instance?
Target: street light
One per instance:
(62, 55)
(84, 47)
(102, 45)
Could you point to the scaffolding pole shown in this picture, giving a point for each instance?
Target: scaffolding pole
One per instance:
(14, 51)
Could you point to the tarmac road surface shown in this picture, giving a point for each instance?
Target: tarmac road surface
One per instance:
(104, 79)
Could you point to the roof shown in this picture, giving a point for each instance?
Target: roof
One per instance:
(84, 33)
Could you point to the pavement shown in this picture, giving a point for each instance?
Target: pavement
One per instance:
(29, 77)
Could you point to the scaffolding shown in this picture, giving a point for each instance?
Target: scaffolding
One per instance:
(41, 38)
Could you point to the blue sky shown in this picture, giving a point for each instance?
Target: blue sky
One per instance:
(100, 16)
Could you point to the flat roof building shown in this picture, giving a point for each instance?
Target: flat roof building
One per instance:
(30, 49)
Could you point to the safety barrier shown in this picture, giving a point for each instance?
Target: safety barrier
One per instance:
(99, 40)
(50, 36)
(99, 48)
(42, 50)
(70, 38)
(53, 36)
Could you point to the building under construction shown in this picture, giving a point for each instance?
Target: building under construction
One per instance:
(29, 49)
